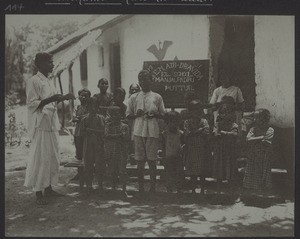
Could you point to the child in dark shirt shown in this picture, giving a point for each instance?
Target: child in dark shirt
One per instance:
(93, 147)
(80, 112)
(172, 144)
(116, 142)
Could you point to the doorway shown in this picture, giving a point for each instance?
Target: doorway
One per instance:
(232, 51)
(237, 56)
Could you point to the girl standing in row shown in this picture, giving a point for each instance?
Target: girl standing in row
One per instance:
(196, 130)
(225, 133)
(259, 139)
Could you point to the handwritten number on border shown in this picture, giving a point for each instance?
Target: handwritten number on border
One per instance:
(14, 7)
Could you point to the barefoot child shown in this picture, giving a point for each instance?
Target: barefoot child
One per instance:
(225, 134)
(93, 146)
(172, 143)
(116, 139)
(196, 130)
(259, 140)
(80, 112)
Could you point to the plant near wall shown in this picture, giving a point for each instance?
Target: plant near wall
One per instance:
(14, 132)
(11, 99)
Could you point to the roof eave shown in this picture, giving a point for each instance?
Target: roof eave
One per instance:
(62, 45)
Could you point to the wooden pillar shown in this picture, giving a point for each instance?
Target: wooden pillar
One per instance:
(71, 89)
(63, 105)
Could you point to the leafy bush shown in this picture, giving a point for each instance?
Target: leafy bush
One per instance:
(11, 99)
(13, 131)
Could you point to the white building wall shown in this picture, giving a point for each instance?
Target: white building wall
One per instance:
(275, 67)
(76, 76)
(189, 34)
(93, 68)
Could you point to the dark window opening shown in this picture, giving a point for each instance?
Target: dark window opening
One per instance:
(115, 66)
(83, 68)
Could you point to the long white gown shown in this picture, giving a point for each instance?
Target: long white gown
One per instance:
(43, 162)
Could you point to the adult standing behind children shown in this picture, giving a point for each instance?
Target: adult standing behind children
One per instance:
(43, 125)
(104, 98)
(146, 107)
(228, 89)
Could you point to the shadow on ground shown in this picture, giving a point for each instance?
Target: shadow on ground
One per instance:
(161, 214)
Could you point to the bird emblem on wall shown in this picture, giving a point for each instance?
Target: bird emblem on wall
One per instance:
(160, 52)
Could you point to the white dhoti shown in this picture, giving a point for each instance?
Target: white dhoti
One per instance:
(43, 164)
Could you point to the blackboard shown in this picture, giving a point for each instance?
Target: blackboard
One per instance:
(172, 79)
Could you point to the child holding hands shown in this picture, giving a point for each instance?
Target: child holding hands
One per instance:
(93, 147)
(80, 112)
(225, 134)
(117, 137)
(172, 144)
(196, 130)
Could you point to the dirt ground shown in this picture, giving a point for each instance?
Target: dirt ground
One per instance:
(160, 215)
(153, 215)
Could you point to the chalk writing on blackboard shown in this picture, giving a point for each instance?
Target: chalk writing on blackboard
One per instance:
(172, 79)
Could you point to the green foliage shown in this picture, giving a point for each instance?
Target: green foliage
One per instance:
(23, 42)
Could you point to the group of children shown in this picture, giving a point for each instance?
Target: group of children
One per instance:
(189, 141)
(101, 137)
(211, 151)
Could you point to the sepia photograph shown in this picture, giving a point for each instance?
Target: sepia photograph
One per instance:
(149, 125)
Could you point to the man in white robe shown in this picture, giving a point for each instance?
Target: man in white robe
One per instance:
(43, 125)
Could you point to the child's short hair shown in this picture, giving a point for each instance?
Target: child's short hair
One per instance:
(101, 80)
(92, 101)
(172, 116)
(227, 100)
(190, 95)
(264, 115)
(144, 74)
(84, 90)
(119, 90)
(227, 104)
(196, 106)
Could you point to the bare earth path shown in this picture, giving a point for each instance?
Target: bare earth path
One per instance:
(155, 215)
(106, 215)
